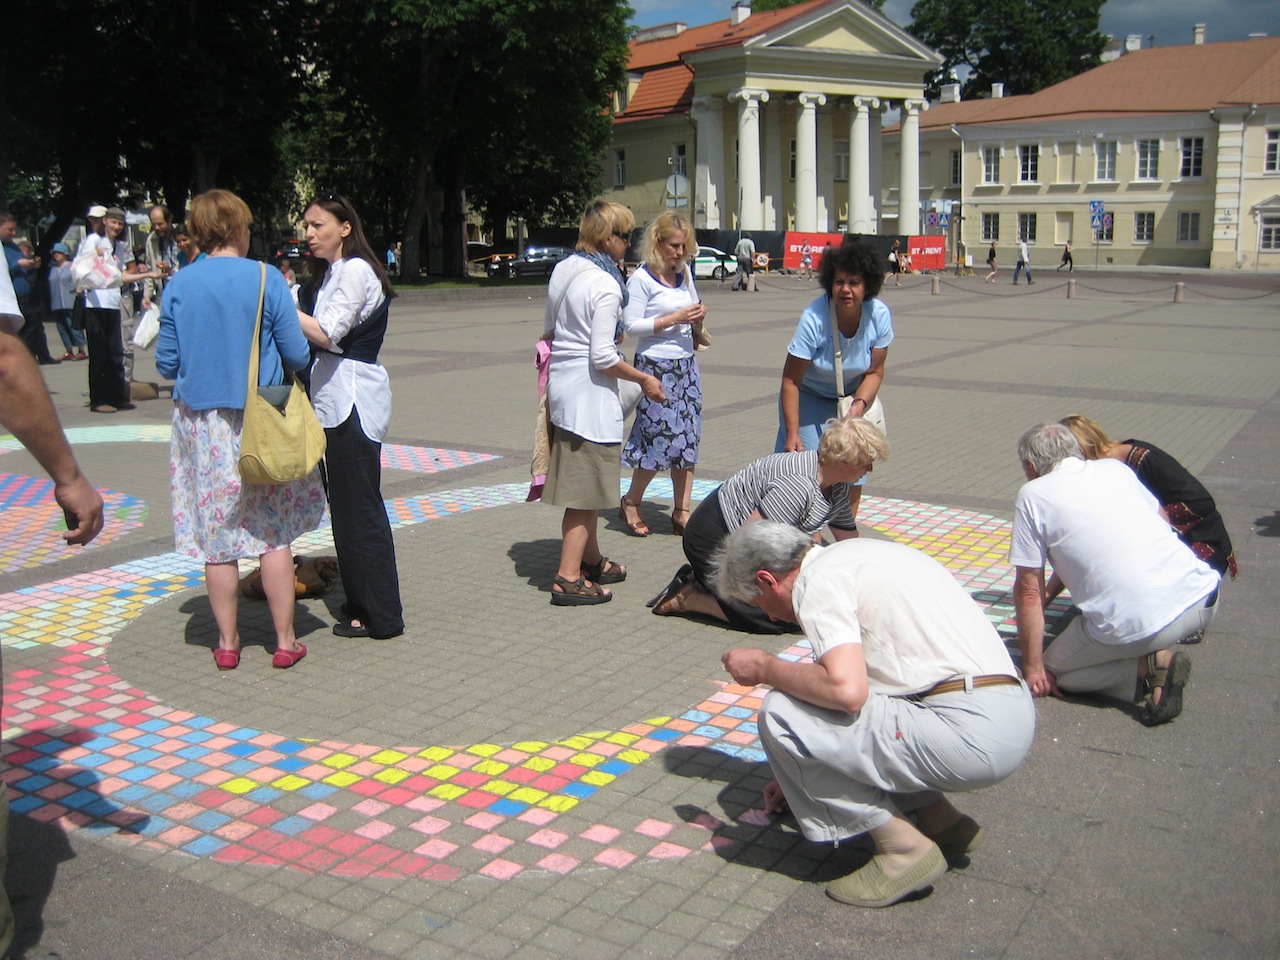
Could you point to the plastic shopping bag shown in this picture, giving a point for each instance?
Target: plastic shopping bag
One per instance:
(148, 328)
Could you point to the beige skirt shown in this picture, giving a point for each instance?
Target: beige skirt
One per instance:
(583, 475)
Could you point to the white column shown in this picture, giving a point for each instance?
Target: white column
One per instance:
(876, 130)
(909, 175)
(708, 186)
(862, 208)
(807, 161)
(750, 209)
(828, 206)
(772, 149)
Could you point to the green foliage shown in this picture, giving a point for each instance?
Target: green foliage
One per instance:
(1025, 44)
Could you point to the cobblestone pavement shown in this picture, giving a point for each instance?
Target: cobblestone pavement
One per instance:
(514, 779)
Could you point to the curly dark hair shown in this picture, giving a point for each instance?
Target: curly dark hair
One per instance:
(855, 257)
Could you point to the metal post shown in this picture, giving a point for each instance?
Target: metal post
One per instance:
(1071, 289)
(1179, 289)
(937, 285)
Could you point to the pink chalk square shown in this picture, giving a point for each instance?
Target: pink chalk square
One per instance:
(684, 726)
(710, 706)
(235, 831)
(558, 753)
(414, 764)
(521, 775)
(603, 749)
(408, 865)
(29, 672)
(379, 854)
(177, 836)
(430, 825)
(436, 849)
(361, 749)
(477, 800)
(654, 828)
(216, 759)
(692, 740)
(76, 819)
(369, 808)
(126, 819)
(442, 873)
(364, 768)
(183, 811)
(558, 863)
(348, 844)
(170, 746)
(213, 777)
(549, 784)
(318, 811)
(719, 843)
(425, 804)
(601, 834)
(501, 869)
(645, 745)
(669, 851)
(262, 860)
(367, 788)
(492, 843)
(722, 697)
(221, 728)
(72, 754)
(469, 779)
(265, 756)
(727, 723)
(238, 807)
(538, 816)
(314, 752)
(319, 860)
(484, 821)
(16, 760)
(166, 763)
(267, 739)
(263, 840)
(233, 855)
(375, 830)
(570, 771)
(48, 813)
(548, 838)
(314, 771)
(161, 781)
(739, 737)
(263, 816)
(218, 743)
(613, 857)
(511, 756)
(418, 784)
(320, 835)
(113, 767)
(55, 790)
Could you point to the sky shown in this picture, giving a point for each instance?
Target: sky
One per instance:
(1170, 20)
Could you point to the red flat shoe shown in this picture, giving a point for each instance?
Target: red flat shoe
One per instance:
(226, 659)
(284, 659)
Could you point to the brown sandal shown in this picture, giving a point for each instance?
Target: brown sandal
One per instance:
(1169, 681)
(577, 593)
(637, 529)
(606, 571)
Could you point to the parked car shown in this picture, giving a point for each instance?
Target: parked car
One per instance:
(534, 262)
(714, 263)
(290, 250)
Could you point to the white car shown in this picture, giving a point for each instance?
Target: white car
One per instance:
(714, 263)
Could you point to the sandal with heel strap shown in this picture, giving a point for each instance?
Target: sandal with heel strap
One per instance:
(1169, 681)
(577, 593)
(637, 529)
(606, 571)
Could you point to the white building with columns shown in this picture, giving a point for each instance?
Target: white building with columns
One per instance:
(771, 121)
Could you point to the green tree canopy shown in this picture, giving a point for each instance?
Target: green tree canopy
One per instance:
(1025, 44)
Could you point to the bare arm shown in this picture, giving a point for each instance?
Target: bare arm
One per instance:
(793, 372)
(26, 410)
(837, 682)
(865, 395)
(1029, 601)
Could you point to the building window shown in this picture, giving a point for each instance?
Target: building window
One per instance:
(1027, 227)
(1192, 157)
(990, 164)
(1188, 227)
(1106, 166)
(1028, 163)
(955, 168)
(1107, 232)
(990, 227)
(1271, 163)
(1148, 160)
(1270, 238)
(619, 168)
(1144, 226)
(841, 148)
(678, 159)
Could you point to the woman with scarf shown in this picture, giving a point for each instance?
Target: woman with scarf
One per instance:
(585, 298)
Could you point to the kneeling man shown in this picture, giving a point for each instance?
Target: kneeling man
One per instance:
(910, 693)
(1139, 588)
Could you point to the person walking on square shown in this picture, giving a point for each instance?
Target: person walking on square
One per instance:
(895, 264)
(343, 309)
(745, 252)
(1066, 259)
(1024, 262)
(62, 300)
(991, 262)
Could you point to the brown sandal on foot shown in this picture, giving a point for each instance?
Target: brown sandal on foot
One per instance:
(606, 571)
(637, 529)
(1169, 681)
(577, 593)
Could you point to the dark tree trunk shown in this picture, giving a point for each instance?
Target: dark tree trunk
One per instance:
(414, 219)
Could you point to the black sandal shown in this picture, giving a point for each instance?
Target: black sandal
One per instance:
(606, 571)
(671, 589)
(576, 593)
(1170, 681)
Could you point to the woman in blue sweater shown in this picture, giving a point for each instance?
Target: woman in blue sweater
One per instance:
(206, 332)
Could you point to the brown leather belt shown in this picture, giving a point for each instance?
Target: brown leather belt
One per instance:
(958, 686)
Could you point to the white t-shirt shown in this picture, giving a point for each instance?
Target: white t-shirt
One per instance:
(108, 299)
(1101, 529)
(649, 299)
(9, 309)
(916, 624)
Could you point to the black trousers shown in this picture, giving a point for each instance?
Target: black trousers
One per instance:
(106, 357)
(361, 530)
(32, 332)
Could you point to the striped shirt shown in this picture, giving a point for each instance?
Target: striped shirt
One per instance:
(784, 488)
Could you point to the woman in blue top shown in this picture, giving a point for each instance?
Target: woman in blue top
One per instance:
(207, 320)
(851, 276)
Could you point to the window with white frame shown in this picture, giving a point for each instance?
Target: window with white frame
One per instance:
(1189, 226)
(678, 156)
(1269, 239)
(1144, 226)
(1271, 160)
(1028, 163)
(955, 168)
(1027, 227)
(841, 150)
(619, 168)
(990, 164)
(1192, 157)
(990, 227)
(1148, 152)
(1105, 168)
(1107, 232)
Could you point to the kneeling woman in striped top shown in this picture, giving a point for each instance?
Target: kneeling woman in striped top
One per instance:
(806, 489)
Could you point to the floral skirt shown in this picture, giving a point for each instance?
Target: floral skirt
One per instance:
(216, 517)
(666, 435)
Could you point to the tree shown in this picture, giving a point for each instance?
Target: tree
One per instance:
(1025, 44)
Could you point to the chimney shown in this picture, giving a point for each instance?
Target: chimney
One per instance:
(1197, 34)
(949, 93)
(741, 10)
(997, 91)
(1132, 42)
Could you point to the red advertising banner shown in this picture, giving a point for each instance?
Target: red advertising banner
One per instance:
(927, 253)
(794, 243)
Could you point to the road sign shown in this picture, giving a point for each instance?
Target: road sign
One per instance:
(944, 219)
(1097, 208)
(1106, 221)
(1095, 221)
(933, 219)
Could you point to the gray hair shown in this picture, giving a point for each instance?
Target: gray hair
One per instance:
(1046, 445)
(758, 545)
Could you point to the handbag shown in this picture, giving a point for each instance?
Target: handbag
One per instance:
(873, 413)
(312, 577)
(280, 441)
(148, 328)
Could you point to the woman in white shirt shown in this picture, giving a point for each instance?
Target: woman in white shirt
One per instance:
(662, 312)
(343, 311)
(585, 298)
